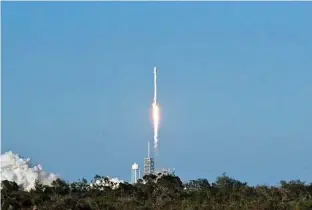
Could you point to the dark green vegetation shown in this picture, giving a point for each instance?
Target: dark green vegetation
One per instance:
(167, 193)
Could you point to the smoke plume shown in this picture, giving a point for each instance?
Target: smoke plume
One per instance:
(14, 168)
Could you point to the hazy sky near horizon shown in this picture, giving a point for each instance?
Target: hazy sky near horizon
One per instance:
(235, 87)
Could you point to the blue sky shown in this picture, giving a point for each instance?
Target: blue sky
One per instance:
(235, 87)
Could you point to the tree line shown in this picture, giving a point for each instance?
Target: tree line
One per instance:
(158, 192)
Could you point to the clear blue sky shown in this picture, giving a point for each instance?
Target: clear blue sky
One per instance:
(235, 87)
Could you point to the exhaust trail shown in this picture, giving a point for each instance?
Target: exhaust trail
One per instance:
(155, 112)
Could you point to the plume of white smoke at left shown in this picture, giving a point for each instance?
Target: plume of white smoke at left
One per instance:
(14, 168)
(20, 170)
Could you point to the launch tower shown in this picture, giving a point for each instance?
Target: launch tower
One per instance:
(149, 166)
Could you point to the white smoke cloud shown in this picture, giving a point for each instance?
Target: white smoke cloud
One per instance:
(106, 182)
(14, 168)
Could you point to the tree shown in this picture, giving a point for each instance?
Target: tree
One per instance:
(60, 187)
(158, 192)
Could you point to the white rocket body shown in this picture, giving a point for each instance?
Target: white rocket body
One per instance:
(155, 86)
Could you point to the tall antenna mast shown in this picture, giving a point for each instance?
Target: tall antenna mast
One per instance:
(148, 149)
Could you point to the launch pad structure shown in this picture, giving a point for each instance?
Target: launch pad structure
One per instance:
(149, 162)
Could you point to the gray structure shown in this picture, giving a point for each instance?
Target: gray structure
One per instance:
(166, 171)
(149, 166)
(149, 163)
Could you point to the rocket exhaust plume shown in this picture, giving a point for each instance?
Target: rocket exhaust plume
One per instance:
(155, 111)
(17, 169)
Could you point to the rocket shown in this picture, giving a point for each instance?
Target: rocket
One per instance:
(155, 86)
